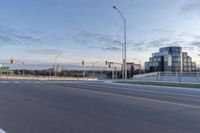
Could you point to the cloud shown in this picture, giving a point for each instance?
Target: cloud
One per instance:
(162, 42)
(159, 42)
(106, 42)
(111, 48)
(45, 51)
(191, 8)
(195, 43)
(9, 36)
(155, 43)
(139, 48)
(96, 40)
(188, 48)
(161, 31)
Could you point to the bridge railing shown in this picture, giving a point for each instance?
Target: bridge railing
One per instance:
(187, 77)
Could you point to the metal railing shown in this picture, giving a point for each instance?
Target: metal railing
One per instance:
(180, 77)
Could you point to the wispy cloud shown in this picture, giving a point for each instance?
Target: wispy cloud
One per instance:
(179, 40)
(192, 7)
(96, 40)
(159, 42)
(9, 36)
(47, 51)
(197, 44)
(161, 31)
(190, 48)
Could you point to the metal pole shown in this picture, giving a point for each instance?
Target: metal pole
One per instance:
(84, 71)
(124, 62)
(56, 63)
(101, 74)
(23, 68)
(112, 72)
(55, 67)
(140, 67)
(125, 48)
(93, 71)
(122, 58)
(115, 72)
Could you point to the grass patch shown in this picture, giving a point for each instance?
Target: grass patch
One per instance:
(163, 84)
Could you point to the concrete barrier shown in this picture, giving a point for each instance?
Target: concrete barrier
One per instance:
(16, 77)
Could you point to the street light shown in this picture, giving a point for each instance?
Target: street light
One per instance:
(83, 64)
(56, 57)
(124, 20)
(122, 57)
(93, 67)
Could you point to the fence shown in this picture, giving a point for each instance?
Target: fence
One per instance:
(180, 77)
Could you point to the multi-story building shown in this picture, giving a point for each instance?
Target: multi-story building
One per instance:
(188, 65)
(170, 59)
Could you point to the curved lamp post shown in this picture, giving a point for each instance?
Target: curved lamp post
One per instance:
(56, 57)
(124, 60)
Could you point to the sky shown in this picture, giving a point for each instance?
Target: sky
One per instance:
(35, 31)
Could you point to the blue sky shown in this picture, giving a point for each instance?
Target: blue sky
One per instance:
(36, 30)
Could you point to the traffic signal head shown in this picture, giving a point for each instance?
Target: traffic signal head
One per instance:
(11, 61)
(109, 65)
(106, 62)
(83, 63)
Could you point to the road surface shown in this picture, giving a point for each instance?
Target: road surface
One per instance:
(95, 107)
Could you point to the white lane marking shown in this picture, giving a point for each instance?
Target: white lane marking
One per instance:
(27, 82)
(149, 99)
(4, 82)
(17, 82)
(2, 131)
(132, 97)
(37, 82)
(145, 90)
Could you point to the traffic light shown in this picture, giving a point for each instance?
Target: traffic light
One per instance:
(106, 62)
(11, 61)
(83, 62)
(109, 65)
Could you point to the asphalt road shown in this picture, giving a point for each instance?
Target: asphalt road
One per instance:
(94, 107)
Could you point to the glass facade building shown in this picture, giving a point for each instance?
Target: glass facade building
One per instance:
(170, 59)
